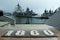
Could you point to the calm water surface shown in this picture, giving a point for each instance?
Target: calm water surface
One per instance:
(25, 20)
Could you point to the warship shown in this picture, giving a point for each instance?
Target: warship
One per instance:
(19, 12)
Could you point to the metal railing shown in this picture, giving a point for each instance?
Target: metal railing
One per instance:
(8, 19)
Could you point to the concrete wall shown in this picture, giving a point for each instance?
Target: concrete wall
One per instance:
(54, 20)
(7, 19)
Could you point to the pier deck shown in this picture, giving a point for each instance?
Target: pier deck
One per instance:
(29, 27)
(7, 38)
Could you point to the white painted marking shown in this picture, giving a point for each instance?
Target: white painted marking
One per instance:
(20, 33)
(34, 33)
(9, 33)
(48, 32)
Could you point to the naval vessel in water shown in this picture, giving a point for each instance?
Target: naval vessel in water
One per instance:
(20, 13)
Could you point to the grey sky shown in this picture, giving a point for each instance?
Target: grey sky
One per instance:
(37, 6)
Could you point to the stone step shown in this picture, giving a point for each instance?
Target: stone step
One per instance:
(3, 24)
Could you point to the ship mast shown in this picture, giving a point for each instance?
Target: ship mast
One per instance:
(18, 10)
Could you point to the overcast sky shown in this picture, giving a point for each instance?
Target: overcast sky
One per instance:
(37, 6)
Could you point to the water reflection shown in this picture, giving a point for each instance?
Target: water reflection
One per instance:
(27, 20)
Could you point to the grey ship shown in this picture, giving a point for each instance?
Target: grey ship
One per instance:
(20, 13)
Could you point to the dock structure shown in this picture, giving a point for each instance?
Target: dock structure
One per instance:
(7, 19)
